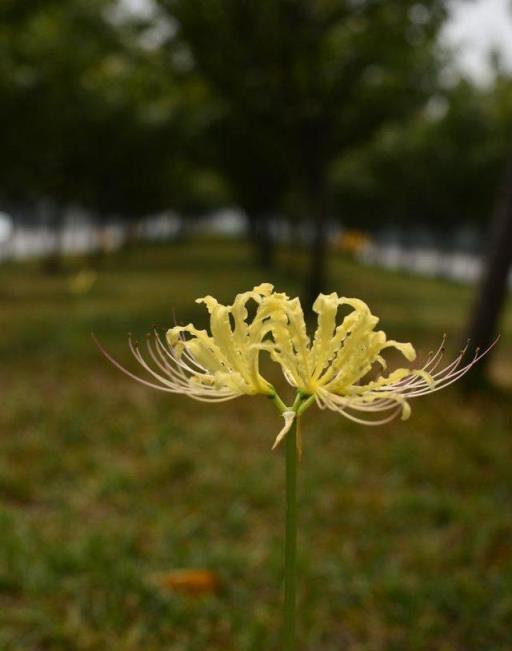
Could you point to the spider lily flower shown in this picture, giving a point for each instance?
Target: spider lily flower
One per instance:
(211, 367)
(331, 369)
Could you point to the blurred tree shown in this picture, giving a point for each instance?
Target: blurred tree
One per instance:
(254, 167)
(446, 157)
(493, 288)
(303, 80)
(49, 49)
(149, 121)
(90, 115)
(252, 161)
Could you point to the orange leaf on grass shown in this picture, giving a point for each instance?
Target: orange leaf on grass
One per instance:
(195, 582)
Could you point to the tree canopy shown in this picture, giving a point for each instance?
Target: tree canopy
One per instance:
(306, 109)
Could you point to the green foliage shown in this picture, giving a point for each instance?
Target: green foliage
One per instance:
(304, 108)
(47, 54)
(441, 168)
(301, 81)
(88, 115)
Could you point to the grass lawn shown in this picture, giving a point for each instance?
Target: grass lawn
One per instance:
(106, 487)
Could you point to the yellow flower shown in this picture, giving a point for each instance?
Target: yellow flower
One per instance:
(332, 369)
(209, 367)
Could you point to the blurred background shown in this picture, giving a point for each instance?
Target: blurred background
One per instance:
(154, 151)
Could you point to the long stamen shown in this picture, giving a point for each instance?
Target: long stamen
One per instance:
(173, 383)
(176, 378)
(124, 370)
(455, 373)
(134, 347)
(172, 363)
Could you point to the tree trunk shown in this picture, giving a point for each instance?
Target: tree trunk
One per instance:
(97, 249)
(12, 209)
(492, 291)
(263, 242)
(314, 148)
(317, 279)
(52, 263)
(131, 233)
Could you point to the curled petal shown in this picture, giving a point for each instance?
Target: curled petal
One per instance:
(289, 417)
(340, 355)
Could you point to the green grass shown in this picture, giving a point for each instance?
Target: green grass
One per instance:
(405, 530)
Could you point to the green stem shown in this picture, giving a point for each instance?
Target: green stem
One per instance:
(290, 576)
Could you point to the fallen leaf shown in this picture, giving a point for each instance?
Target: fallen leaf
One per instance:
(193, 582)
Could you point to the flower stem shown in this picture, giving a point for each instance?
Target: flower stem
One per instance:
(290, 576)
